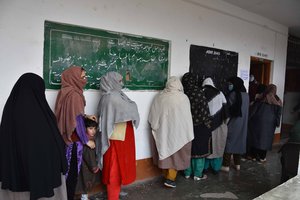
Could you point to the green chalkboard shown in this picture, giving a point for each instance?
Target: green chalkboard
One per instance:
(143, 61)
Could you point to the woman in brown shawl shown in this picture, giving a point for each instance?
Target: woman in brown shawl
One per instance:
(69, 109)
(263, 119)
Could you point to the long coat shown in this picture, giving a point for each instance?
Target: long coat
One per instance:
(237, 127)
(263, 120)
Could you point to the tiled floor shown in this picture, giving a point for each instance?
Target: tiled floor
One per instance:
(251, 181)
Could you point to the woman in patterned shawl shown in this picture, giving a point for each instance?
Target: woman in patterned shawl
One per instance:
(201, 145)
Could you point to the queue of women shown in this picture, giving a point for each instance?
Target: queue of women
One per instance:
(195, 128)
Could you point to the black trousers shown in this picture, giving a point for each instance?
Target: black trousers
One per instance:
(73, 174)
(227, 159)
(258, 153)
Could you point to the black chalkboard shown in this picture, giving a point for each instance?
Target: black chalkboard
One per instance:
(215, 63)
(142, 61)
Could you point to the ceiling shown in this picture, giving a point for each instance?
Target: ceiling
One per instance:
(285, 12)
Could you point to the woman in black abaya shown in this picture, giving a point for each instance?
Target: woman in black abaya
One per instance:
(32, 151)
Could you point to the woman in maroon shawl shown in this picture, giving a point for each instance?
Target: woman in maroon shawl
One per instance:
(69, 109)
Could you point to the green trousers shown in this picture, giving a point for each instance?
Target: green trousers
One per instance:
(196, 168)
(214, 163)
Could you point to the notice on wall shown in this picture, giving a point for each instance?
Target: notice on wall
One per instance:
(244, 74)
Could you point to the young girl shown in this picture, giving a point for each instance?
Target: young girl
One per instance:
(89, 168)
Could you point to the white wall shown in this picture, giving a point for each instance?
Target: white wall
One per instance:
(183, 22)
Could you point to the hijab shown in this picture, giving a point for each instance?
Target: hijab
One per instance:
(32, 151)
(70, 101)
(235, 110)
(114, 107)
(170, 119)
(270, 97)
(216, 99)
(199, 103)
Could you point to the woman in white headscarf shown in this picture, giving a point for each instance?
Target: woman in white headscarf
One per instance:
(116, 146)
(171, 122)
(219, 115)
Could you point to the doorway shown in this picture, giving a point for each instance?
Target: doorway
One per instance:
(261, 69)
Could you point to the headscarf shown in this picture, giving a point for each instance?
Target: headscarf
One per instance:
(270, 97)
(70, 101)
(216, 99)
(32, 151)
(114, 107)
(199, 103)
(235, 110)
(170, 119)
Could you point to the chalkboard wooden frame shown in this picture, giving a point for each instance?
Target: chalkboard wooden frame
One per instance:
(143, 61)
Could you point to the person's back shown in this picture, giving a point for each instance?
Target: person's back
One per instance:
(32, 151)
(171, 122)
(264, 117)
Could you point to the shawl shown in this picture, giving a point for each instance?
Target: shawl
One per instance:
(238, 87)
(270, 97)
(216, 99)
(170, 119)
(70, 101)
(32, 151)
(114, 107)
(198, 101)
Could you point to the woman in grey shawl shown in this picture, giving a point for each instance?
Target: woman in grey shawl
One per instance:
(116, 145)
(238, 104)
(171, 122)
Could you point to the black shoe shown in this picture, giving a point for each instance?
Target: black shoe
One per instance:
(170, 184)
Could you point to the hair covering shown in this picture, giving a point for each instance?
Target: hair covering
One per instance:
(238, 87)
(32, 153)
(70, 101)
(170, 119)
(199, 103)
(270, 97)
(114, 107)
(216, 99)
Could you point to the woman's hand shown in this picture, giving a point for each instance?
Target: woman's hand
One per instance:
(92, 117)
(91, 144)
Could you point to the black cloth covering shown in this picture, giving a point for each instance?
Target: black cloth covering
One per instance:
(201, 145)
(289, 160)
(32, 151)
(235, 110)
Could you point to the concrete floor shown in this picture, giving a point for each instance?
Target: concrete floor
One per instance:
(251, 181)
